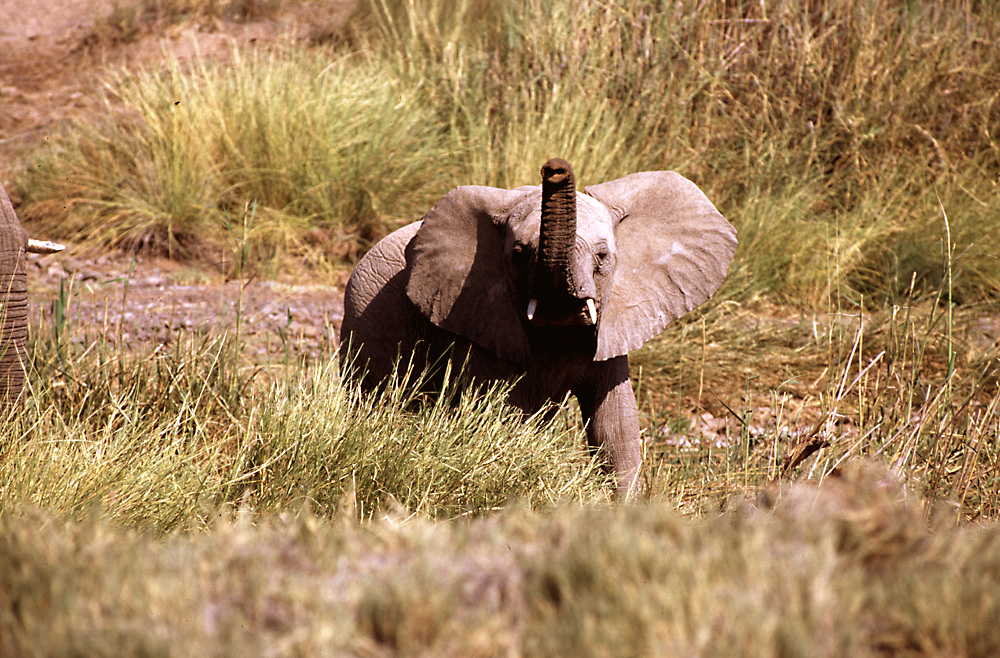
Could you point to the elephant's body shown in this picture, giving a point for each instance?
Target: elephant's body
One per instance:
(13, 303)
(564, 362)
(486, 280)
(380, 295)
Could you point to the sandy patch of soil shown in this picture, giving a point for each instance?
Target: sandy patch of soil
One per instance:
(152, 302)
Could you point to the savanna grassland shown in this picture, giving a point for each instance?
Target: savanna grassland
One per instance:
(822, 436)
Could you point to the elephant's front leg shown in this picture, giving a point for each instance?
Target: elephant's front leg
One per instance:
(612, 418)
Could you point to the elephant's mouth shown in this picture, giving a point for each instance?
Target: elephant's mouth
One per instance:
(564, 312)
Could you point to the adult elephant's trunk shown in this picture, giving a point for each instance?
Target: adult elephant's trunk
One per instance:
(13, 303)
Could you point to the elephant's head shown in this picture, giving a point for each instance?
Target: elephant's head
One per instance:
(627, 257)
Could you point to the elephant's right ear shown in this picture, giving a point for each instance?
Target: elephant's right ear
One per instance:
(457, 274)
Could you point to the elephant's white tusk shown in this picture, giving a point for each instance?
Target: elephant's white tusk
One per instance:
(43, 246)
(592, 309)
(531, 308)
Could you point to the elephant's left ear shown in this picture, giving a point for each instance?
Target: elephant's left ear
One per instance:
(457, 276)
(673, 252)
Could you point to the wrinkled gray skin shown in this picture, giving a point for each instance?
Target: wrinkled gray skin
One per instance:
(13, 304)
(648, 248)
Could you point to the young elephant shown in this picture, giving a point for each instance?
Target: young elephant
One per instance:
(545, 286)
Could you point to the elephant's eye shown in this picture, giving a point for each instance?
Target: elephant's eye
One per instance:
(520, 253)
(601, 259)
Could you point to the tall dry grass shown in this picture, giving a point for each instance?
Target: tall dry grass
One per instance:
(831, 132)
(807, 123)
(827, 130)
(326, 153)
(802, 393)
(162, 437)
(853, 142)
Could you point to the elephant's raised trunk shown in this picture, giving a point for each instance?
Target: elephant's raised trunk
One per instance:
(558, 227)
(553, 287)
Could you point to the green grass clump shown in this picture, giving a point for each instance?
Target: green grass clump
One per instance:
(844, 569)
(162, 440)
(325, 152)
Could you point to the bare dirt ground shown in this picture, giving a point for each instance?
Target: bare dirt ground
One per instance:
(155, 301)
(53, 56)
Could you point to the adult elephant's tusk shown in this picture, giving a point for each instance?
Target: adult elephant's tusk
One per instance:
(531, 308)
(592, 310)
(43, 246)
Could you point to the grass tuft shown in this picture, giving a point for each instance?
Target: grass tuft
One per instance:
(164, 440)
(327, 156)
